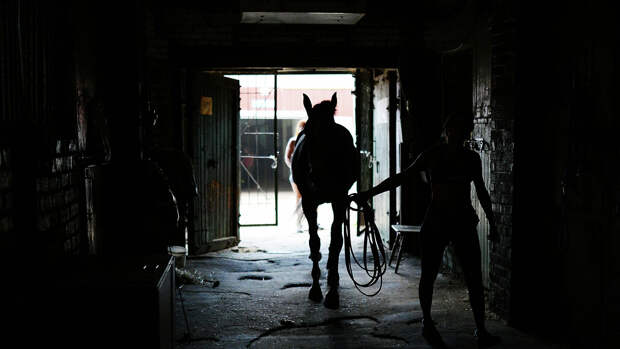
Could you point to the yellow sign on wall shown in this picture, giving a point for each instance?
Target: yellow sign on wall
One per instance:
(206, 105)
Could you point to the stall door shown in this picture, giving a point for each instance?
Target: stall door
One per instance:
(215, 154)
(381, 153)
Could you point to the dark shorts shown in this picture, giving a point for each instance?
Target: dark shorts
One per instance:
(442, 228)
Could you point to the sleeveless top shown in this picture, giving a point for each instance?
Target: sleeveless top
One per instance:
(451, 172)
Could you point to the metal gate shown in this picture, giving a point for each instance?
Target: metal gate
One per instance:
(258, 162)
(215, 155)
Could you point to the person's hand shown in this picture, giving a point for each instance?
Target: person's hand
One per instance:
(493, 235)
(360, 197)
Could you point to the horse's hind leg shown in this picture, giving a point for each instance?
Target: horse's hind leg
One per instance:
(315, 254)
(335, 246)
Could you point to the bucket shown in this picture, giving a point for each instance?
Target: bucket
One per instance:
(178, 252)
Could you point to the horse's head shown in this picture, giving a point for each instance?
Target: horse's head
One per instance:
(325, 161)
(320, 115)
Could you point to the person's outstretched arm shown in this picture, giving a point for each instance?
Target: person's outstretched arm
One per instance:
(393, 181)
(484, 198)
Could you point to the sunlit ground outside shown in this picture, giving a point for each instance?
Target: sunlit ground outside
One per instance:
(284, 237)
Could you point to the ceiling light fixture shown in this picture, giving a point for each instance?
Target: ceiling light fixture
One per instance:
(333, 18)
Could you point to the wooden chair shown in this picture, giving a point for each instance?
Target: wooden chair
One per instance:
(401, 231)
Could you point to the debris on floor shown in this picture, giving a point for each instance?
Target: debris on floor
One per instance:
(242, 249)
(193, 277)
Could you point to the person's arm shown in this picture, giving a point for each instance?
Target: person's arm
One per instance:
(484, 198)
(393, 181)
(290, 147)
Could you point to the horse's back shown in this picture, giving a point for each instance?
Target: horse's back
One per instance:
(328, 165)
(346, 160)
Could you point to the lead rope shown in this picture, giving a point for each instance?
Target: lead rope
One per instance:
(372, 238)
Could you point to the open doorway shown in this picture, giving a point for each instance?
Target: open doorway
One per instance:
(270, 111)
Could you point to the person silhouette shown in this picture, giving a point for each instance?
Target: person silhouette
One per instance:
(450, 218)
(290, 147)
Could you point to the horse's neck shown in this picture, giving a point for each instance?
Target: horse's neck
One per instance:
(320, 132)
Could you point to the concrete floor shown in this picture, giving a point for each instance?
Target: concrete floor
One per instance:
(262, 301)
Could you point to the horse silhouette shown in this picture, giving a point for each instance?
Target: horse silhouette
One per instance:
(325, 165)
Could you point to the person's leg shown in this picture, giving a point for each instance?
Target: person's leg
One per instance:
(297, 193)
(432, 254)
(467, 249)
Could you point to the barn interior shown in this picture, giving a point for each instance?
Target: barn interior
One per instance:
(99, 98)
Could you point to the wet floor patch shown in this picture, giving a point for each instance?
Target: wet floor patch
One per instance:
(296, 284)
(256, 277)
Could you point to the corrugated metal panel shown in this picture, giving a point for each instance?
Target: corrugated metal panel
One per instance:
(23, 61)
(36, 71)
(216, 159)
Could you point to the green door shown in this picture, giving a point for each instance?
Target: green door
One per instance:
(215, 155)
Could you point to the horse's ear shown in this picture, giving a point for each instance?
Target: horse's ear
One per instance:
(307, 104)
(334, 100)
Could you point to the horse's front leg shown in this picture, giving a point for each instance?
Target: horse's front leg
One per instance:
(332, 299)
(315, 247)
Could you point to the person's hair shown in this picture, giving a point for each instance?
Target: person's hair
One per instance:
(461, 120)
(300, 126)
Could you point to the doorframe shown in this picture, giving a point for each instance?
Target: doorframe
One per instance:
(279, 71)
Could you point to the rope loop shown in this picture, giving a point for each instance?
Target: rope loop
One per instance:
(372, 240)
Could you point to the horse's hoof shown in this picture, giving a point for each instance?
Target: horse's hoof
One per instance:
(332, 300)
(315, 294)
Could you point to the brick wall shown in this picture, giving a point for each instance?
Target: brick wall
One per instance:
(502, 29)
(52, 188)
(494, 96)
(7, 224)
(39, 185)
(59, 190)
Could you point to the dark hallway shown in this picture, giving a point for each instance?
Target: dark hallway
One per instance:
(119, 137)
